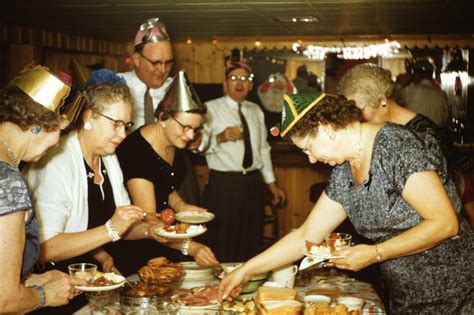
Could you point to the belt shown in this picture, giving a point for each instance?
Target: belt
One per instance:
(242, 173)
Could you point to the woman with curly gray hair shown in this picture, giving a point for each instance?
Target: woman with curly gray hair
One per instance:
(371, 88)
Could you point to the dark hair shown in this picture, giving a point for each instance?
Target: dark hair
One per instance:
(138, 48)
(20, 109)
(334, 110)
(166, 113)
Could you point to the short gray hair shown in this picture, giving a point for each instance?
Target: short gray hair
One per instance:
(368, 81)
(101, 95)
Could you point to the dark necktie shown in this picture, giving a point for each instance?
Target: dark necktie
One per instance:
(248, 156)
(149, 114)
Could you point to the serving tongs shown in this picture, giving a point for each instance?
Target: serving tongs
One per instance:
(308, 262)
(115, 270)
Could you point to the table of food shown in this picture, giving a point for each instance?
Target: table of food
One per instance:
(165, 287)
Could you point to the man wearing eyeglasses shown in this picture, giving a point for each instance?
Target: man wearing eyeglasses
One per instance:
(238, 155)
(152, 62)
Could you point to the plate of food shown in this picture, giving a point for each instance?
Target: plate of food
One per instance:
(194, 217)
(103, 282)
(181, 231)
(320, 252)
(197, 299)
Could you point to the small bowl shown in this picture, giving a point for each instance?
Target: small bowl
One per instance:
(310, 300)
(274, 284)
(195, 272)
(352, 303)
(253, 285)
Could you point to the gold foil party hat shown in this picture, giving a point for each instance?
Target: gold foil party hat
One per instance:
(181, 96)
(42, 86)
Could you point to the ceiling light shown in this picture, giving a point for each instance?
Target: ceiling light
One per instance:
(297, 19)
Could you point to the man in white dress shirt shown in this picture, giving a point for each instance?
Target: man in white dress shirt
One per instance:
(152, 62)
(148, 82)
(235, 188)
(423, 96)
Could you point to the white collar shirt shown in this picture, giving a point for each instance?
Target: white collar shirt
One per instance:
(228, 156)
(427, 99)
(138, 89)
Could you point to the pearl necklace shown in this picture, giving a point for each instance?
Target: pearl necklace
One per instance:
(356, 161)
(10, 153)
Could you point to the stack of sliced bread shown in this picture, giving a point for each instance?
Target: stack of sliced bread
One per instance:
(278, 301)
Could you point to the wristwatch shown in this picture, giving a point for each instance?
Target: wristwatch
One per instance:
(185, 247)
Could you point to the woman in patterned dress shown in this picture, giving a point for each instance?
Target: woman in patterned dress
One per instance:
(395, 191)
(372, 88)
(29, 126)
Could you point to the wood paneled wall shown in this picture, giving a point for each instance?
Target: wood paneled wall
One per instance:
(55, 50)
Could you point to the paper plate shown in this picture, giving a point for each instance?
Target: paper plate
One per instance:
(194, 217)
(173, 235)
(118, 284)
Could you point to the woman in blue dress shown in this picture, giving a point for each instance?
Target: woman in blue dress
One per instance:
(29, 125)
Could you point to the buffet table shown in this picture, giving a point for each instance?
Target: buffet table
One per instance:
(331, 282)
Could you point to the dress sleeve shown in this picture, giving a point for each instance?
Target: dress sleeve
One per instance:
(13, 192)
(405, 153)
(134, 159)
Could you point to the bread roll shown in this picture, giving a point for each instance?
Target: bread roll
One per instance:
(272, 293)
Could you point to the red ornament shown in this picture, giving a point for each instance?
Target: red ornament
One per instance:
(275, 131)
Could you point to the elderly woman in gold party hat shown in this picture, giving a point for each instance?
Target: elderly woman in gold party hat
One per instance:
(29, 125)
(395, 191)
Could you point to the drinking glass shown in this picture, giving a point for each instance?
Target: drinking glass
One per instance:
(83, 271)
(338, 241)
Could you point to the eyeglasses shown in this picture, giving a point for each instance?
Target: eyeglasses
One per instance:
(243, 78)
(118, 123)
(306, 150)
(186, 128)
(168, 63)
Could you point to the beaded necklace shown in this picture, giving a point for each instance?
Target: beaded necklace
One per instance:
(10, 152)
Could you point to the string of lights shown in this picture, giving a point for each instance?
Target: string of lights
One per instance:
(364, 52)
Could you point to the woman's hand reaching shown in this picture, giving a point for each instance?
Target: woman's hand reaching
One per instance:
(232, 284)
(202, 254)
(125, 216)
(104, 258)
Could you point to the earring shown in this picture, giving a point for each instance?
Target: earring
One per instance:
(332, 137)
(36, 129)
(163, 125)
(88, 125)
